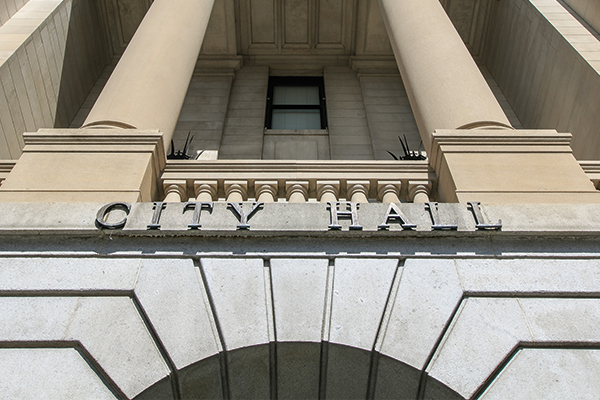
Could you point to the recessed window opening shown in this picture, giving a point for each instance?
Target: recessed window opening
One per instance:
(296, 103)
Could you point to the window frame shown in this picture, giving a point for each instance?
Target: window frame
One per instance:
(296, 81)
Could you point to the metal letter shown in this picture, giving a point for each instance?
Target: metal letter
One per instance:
(241, 214)
(336, 213)
(435, 218)
(103, 212)
(197, 207)
(394, 213)
(480, 220)
(158, 207)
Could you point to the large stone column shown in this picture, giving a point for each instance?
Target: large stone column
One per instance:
(148, 86)
(444, 85)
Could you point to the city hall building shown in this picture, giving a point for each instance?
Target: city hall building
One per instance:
(299, 199)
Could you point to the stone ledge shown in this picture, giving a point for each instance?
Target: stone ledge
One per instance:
(304, 220)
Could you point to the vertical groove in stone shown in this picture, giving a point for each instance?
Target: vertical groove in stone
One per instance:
(223, 353)
(424, 374)
(326, 329)
(385, 319)
(173, 378)
(271, 326)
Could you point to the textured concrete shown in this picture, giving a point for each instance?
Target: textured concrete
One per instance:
(299, 298)
(113, 332)
(428, 293)
(485, 332)
(51, 374)
(360, 294)
(176, 306)
(529, 276)
(552, 373)
(239, 292)
(68, 274)
(310, 219)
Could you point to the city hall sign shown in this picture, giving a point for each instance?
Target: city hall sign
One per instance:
(335, 216)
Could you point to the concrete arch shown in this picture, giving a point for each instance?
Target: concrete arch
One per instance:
(161, 327)
(300, 370)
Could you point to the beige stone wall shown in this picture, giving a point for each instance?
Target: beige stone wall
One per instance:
(203, 113)
(389, 114)
(546, 67)
(245, 121)
(47, 72)
(349, 136)
(8, 8)
(589, 10)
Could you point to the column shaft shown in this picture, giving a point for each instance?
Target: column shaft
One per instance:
(444, 85)
(149, 84)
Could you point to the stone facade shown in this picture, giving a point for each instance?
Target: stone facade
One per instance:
(299, 262)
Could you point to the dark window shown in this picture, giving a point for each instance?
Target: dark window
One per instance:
(296, 103)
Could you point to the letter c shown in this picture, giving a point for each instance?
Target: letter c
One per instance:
(101, 222)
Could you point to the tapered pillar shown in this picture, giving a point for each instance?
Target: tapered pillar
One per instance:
(148, 86)
(444, 85)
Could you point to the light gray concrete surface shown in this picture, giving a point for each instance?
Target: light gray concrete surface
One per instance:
(299, 298)
(112, 331)
(309, 219)
(68, 274)
(484, 332)
(428, 293)
(518, 287)
(238, 289)
(172, 294)
(53, 374)
(47, 318)
(553, 374)
(563, 320)
(529, 275)
(360, 293)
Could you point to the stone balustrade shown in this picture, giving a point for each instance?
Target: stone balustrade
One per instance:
(298, 181)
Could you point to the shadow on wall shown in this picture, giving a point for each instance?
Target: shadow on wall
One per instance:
(295, 370)
(87, 52)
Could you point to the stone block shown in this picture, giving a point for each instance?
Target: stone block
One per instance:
(428, 293)
(360, 295)
(562, 320)
(238, 290)
(529, 275)
(68, 274)
(172, 294)
(81, 165)
(47, 318)
(483, 333)
(111, 329)
(500, 167)
(53, 374)
(299, 298)
(549, 374)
